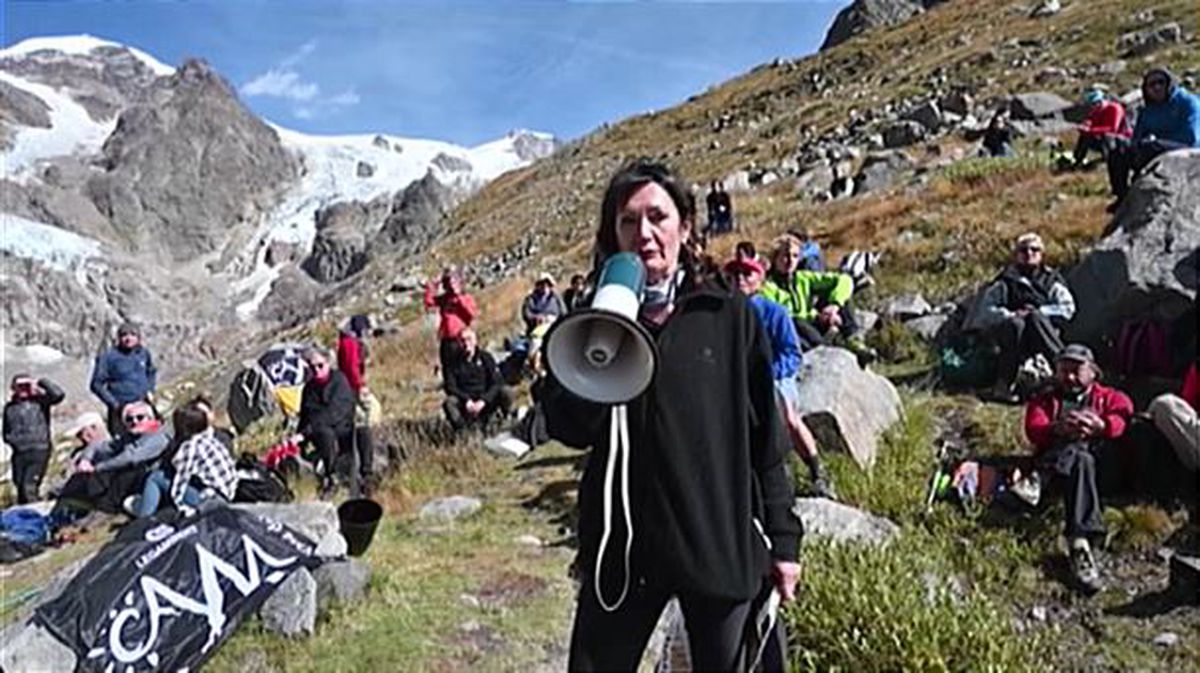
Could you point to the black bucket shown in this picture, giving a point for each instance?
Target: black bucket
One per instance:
(358, 520)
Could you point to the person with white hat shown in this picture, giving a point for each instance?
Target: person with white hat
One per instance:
(27, 432)
(542, 306)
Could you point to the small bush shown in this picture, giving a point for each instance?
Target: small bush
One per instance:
(1138, 527)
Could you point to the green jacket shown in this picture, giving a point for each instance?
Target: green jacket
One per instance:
(797, 296)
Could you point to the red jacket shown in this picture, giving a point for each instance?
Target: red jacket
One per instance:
(1107, 118)
(457, 312)
(1191, 388)
(350, 360)
(1112, 405)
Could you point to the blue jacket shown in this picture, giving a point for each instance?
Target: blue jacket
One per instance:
(811, 257)
(121, 377)
(1177, 119)
(785, 344)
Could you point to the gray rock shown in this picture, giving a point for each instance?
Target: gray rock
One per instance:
(21, 107)
(959, 103)
(907, 306)
(881, 170)
(927, 114)
(29, 648)
(418, 212)
(927, 327)
(1038, 613)
(1166, 639)
(1113, 67)
(533, 146)
(333, 545)
(867, 320)
(1147, 264)
(450, 509)
(293, 297)
(1142, 42)
(815, 180)
(450, 163)
(340, 248)
(824, 518)
(1051, 75)
(314, 520)
(847, 408)
(864, 15)
(340, 582)
(1037, 105)
(1046, 8)
(292, 610)
(364, 170)
(381, 142)
(902, 134)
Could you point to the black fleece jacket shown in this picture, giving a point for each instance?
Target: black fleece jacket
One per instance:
(707, 458)
(329, 404)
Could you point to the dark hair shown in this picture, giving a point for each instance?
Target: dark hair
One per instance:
(578, 277)
(628, 180)
(18, 377)
(188, 421)
(746, 248)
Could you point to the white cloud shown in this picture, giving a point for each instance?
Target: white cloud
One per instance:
(291, 60)
(346, 98)
(281, 84)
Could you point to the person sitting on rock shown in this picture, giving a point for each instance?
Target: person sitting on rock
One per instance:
(1022, 313)
(1072, 428)
(542, 306)
(456, 312)
(747, 275)
(1104, 128)
(475, 392)
(107, 471)
(575, 296)
(326, 415)
(200, 469)
(998, 137)
(88, 429)
(1169, 121)
(27, 432)
(1176, 418)
(123, 374)
(818, 301)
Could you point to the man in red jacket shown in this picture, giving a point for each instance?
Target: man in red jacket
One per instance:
(457, 311)
(1069, 427)
(1104, 127)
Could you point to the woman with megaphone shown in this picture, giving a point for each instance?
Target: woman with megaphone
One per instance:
(687, 493)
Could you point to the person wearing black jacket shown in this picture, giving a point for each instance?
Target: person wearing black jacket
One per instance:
(27, 432)
(709, 494)
(475, 391)
(326, 413)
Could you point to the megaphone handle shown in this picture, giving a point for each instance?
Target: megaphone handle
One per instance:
(618, 443)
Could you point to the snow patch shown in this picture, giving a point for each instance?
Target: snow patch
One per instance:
(72, 131)
(36, 355)
(80, 45)
(57, 248)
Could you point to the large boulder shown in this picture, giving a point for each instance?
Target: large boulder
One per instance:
(881, 170)
(318, 521)
(1147, 265)
(1142, 42)
(292, 610)
(341, 582)
(824, 518)
(32, 648)
(1038, 105)
(903, 133)
(863, 15)
(341, 247)
(846, 406)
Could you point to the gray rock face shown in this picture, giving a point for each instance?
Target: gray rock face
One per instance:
(292, 610)
(294, 297)
(1037, 105)
(928, 115)
(450, 509)
(531, 146)
(318, 521)
(867, 320)
(17, 106)
(864, 15)
(881, 170)
(416, 218)
(31, 649)
(907, 306)
(340, 248)
(842, 523)
(448, 163)
(847, 408)
(927, 327)
(1142, 42)
(903, 134)
(1148, 263)
(340, 582)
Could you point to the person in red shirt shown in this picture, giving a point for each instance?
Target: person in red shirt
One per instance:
(1176, 418)
(457, 311)
(1070, 427)
(352, 351)
(1104, 126)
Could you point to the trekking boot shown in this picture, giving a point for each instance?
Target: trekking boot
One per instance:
(1083, 566)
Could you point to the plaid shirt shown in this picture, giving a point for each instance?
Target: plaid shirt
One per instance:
(204, 457)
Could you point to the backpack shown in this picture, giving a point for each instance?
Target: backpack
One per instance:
(1143, 349)
(258, 483)
(858, 265)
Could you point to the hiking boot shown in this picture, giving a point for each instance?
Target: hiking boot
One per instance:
(1083, 566)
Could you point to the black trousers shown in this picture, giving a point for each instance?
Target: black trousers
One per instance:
(1126, 160)
(447, 353)
(329, 442)
(456, 412)
(1104, 144)
(812, 334)
(1022, 337)
(28, 468)
(614, 641)
(1073, 465)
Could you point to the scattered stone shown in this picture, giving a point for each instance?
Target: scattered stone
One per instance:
(867, 320)
(881, 170)
(907, 307)
(846, 407)
(1051, 75)
(959, 103)
(1112, 67)
(380, 142)
(340, 582)
(1038, 613)
(1142, 42)
(530, 541)
(1046, 8)
(842, 523)
(816, 180)
(364, 170)
(450, 509)
(292, 610)
(1037, 105)
(902, 134)
(1166, 639)
(928, 115)
(29, 647)
(927, 327)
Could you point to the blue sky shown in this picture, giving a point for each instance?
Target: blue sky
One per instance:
(466, 72)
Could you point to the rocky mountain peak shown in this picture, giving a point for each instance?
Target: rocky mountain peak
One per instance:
(863, 15)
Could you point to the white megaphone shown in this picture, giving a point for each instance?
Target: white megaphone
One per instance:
(601, 353)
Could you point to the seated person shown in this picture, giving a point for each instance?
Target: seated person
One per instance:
(1022, 312)
(326, 414)
(1104, 127)
(200, 470)
(1071, 428)
(747, 275)
(1176, 418)
(998, 137)
(576, 295)
(542, 306)
(107, 471)
(818, 301)
(474, 390)
(1169, 121)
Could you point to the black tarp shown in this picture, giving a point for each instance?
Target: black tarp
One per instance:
(166, 592)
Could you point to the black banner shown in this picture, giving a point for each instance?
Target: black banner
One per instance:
(164, 594)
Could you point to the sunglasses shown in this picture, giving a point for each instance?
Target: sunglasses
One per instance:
(1156, 82)
(318, 365)
(136, 418)
(1029, 248)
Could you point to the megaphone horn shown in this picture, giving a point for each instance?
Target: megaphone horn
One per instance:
(602, 353)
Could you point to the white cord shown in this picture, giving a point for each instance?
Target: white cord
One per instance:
(618, 443)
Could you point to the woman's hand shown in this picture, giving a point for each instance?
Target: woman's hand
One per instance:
(786, 575)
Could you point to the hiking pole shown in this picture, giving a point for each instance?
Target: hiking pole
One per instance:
(940, 479)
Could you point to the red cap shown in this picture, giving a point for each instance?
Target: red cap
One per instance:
(745, 265)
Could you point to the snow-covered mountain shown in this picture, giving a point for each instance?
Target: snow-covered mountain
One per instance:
(133, 190)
